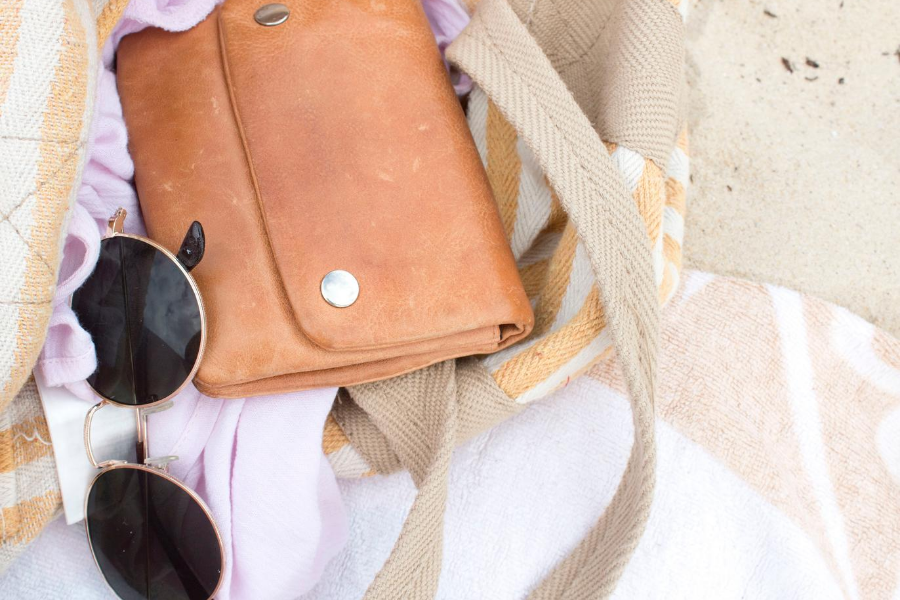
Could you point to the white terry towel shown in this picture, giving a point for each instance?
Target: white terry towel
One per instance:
(523, 495)
(520, 496)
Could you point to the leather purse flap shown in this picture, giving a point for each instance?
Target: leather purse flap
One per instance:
(362, 162)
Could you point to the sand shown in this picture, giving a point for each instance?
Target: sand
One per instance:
(796, 176)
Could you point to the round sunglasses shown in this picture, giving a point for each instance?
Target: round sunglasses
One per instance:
(151, 537)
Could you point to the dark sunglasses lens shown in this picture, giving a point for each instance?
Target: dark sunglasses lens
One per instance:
(150, 538)
(144, 318)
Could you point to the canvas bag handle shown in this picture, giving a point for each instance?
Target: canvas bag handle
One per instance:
(502, 57)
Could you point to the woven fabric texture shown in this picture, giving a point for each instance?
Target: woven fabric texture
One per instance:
(29, 490)
(48, 63)
(49, 59)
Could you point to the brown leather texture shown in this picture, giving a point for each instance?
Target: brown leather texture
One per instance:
(331, 141)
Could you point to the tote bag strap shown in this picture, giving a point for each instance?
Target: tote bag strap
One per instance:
(500, 55)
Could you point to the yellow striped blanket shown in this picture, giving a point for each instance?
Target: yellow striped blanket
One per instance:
(49, 58)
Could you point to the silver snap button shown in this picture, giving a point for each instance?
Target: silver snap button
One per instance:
(272, 14)
(340, 289)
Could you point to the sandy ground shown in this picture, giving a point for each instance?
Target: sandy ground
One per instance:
(797, 174)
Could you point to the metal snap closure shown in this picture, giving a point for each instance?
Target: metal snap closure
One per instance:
(340, 288)
(272, 14)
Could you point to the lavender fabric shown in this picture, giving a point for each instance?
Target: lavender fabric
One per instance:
(259, 463)
(447, 18)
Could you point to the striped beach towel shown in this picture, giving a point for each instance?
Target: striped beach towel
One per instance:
(49, 59)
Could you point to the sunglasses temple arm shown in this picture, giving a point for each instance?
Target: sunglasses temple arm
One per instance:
(192, 247)
(142, 445)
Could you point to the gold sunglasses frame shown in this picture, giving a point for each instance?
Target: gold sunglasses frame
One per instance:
(158, 467)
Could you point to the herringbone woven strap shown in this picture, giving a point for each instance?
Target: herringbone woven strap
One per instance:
(414, 567)
(497, 51)
(417, 414)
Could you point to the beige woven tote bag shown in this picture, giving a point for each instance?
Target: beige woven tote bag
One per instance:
(577, 115)
(596, 229)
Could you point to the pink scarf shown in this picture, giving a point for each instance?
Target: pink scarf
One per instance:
(259, 463)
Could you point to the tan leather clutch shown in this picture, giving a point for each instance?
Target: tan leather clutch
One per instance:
(332, 141)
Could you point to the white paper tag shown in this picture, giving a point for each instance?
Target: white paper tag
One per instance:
(113, 435)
